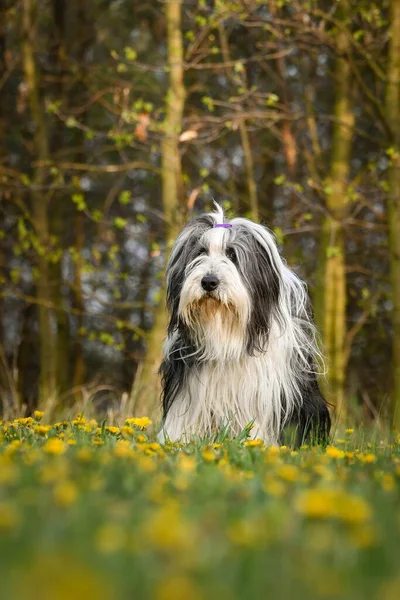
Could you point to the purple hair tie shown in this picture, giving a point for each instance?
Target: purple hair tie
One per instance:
(223, 225)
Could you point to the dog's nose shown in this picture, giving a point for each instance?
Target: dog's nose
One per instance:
(209, 283)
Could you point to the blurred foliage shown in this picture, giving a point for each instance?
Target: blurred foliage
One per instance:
(96, 511)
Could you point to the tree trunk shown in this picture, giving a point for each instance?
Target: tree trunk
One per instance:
(172, 196)
(331, 290)
(79, 304)
(47, 384)
(393, 119)
(57, 214)
(249, 163)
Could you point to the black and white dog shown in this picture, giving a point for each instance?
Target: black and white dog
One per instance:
(241, 344)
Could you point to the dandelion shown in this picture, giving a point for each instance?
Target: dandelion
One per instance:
(289, 472)
(254, 443)
(332, 503)
(140, 422)
(26, 421)
(42, 429)
(166, 529)
(123, 449)
(349, 431)
(368, 458)
(187, 464)
(334, 452)
(54, 446)
(127, 431)
(113, 430)
(274, 487)
(38, 415)
(209, 455)
(80, 420)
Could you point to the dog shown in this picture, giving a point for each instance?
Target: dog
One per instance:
(241, 349)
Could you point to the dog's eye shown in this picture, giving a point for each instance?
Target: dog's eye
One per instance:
(231, 254)
(201, 252)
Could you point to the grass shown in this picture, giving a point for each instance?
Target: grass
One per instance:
(96, 512)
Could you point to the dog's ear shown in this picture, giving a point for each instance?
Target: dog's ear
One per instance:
(262, 278)
(182, 253)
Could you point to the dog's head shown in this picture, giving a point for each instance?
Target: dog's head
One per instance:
(226, 284)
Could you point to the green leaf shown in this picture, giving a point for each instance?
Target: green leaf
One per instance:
(125, 197)
(119, 222)
(130, 53)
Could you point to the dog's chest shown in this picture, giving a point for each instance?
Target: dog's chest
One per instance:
(234, 394)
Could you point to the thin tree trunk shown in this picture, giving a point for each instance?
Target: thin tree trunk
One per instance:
(249, 163)
(47, 385)
(172, 197)
(57, 215)
(79, 305)
(244, 135)
(393, 119)
(331, 289)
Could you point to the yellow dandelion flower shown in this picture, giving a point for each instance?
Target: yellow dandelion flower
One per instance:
(289, 472)
(186, 464)
(26, 421)
(254, 443)
(349, 431)
(38, 414)
(127, 431)
(140, 422)
(54, 446)
(333, 503)
(123, 449)
(65, 493)
(42, 429)
(368, 458)
(209, 455)
(146, 464)
(113, 430)
(61, 425)
(71, 442)
(80, 420)
(334, 452)
(166, 529)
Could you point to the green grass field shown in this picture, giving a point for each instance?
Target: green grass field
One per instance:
(96, 512)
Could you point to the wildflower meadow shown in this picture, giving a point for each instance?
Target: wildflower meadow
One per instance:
(90, 511)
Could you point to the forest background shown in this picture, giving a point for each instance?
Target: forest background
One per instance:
(119, 119)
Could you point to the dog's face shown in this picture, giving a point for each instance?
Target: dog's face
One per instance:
(223, 286)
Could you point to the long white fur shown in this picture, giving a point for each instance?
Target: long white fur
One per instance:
(231, 386)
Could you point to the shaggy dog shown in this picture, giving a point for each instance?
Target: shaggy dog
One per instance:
(241, 346)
